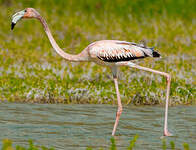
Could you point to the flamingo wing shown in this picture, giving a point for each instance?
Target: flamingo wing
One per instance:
(115, 51)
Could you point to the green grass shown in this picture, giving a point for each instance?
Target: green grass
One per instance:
(31, 71)
(7, 145)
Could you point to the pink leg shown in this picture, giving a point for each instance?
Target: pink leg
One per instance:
(166, 132)
(119, 111)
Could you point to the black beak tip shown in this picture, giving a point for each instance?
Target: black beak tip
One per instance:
(12, 25)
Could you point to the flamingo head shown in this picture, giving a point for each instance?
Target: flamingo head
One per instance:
(26, 13)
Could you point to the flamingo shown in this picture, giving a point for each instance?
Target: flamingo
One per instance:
(110, 53)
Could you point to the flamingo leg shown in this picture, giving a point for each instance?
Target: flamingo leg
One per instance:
(166, 132)
(119, 110)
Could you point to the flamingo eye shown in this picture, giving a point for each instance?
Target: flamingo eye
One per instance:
(25, 10)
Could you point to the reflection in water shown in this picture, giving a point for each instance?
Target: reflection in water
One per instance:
(80, 126)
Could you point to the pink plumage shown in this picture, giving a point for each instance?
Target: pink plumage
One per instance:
(116, 51)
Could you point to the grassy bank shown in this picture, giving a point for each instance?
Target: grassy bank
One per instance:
(31, 71)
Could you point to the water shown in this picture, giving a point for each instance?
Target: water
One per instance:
(80, 126)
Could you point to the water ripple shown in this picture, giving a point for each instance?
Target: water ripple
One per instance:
(81, 126)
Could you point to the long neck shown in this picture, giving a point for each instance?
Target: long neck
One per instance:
(80, 57)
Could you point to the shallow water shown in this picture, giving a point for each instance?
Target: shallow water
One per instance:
(80, 126)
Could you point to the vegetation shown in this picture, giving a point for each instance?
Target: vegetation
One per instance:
(7, 145)
(31, 71)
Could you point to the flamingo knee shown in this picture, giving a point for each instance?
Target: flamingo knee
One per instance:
(119, 111)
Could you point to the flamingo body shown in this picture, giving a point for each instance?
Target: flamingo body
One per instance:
(108, 52)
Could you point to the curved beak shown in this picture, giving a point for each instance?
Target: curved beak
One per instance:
(16, 17)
